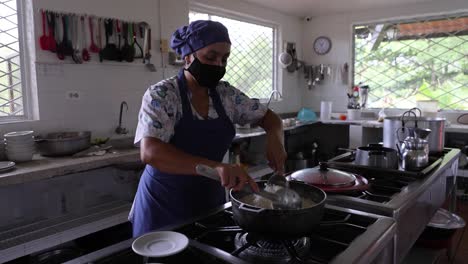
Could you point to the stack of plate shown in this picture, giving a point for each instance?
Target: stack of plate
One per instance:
(6, 166)
(19, 145)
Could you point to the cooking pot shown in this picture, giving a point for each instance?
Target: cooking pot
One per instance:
(396, 127)
(302, 159)
(377, 156)
(63, 143)
(280, 224)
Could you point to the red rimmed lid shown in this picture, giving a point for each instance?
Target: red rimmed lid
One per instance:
(323, 176)
(361, 184)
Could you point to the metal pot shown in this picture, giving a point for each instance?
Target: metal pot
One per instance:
(63, 143)
(280, 224)
(377, 156)
(392, 130)
(301, 160)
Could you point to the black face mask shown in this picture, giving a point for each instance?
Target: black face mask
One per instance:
(206, 75)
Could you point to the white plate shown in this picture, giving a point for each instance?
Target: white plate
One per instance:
(160, 244)
(6, 165)
(17, 134)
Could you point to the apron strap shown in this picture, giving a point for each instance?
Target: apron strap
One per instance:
(186, 106)
(218, 105)
(182, 83)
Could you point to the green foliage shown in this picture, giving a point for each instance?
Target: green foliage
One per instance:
(250, 67)
(402, 72)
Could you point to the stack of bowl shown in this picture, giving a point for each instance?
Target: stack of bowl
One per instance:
(19, 145)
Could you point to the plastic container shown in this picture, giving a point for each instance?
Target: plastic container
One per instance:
(306, 115)
(325, 110)
(428, 108)
(354, 114)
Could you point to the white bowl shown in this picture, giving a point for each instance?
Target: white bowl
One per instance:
(25, 150)
(19, 157)
(19, 138)
(354, 114)
(19, 134)
(20, 147)
(20, 143)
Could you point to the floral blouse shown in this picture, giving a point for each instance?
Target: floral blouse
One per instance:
(161, 109)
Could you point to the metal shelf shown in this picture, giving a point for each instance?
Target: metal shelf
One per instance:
(463, 173)
(40, 235)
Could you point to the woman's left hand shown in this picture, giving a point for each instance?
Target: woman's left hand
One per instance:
(276, 154)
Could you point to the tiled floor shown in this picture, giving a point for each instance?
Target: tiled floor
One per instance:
(459, 240)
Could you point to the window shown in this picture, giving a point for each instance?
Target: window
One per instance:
(251, 66)
(415, 59)
(11, 85)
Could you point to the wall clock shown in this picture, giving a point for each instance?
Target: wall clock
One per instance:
(322, 45)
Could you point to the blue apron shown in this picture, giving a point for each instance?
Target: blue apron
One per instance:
(164, 199)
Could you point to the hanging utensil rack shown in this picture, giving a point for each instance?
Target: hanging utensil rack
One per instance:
(84, 34)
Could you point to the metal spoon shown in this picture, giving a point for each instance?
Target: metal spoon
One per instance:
(289, 198)
(281, 199)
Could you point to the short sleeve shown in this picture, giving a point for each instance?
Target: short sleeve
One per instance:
(246, 110)
(157, 116)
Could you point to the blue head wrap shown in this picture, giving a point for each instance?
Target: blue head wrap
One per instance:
(197, 35)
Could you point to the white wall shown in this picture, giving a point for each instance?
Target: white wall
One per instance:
(339, 28)
(103, 86)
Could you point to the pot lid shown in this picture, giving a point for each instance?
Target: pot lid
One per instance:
(322, 175)
(446, 220)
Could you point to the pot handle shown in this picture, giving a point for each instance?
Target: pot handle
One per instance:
(397, 132)
(251, 209)
(415, 108)
(408, 113)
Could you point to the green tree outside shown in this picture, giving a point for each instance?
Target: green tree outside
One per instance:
(400, 72)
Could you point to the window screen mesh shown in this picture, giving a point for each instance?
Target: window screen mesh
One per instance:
(250, 65)
(411, 60)
(11, 99)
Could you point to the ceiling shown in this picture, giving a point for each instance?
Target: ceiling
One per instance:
(305, 8)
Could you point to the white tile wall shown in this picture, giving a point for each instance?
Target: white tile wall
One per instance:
(104, 85)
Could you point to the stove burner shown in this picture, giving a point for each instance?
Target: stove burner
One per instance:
(258, 250)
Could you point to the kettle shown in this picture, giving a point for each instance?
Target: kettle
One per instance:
(414, 150)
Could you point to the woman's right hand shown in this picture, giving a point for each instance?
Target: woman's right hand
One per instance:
(235, 177)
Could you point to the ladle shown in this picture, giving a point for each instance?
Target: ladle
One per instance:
(288, 196)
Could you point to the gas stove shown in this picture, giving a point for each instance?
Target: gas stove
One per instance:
(343, 236)
(408, 198)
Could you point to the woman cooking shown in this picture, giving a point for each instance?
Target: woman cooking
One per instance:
(188, 120)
